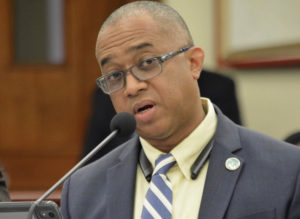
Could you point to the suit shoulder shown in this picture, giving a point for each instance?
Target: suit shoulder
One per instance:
(107, 160)
(267, 147)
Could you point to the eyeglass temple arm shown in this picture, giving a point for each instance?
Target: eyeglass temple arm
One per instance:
(171, 54)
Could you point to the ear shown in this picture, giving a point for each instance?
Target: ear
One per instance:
(196, 57)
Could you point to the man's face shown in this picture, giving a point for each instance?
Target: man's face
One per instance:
(163, 106)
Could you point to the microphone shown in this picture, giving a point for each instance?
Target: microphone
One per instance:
(122, 124)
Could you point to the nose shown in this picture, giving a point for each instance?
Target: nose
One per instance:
(134, 86)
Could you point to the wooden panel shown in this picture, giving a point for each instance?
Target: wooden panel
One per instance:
(34, 172)
(44, 108)
(40, 126)
(32, 195)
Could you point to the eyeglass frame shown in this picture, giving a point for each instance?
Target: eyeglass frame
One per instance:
(161, 59)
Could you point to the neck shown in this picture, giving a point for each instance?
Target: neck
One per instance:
(168, 142)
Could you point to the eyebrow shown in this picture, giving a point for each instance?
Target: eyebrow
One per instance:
(105, 60)
(139, 47)
(131, 49)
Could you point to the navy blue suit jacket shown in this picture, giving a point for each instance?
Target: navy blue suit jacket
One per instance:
(267, 184)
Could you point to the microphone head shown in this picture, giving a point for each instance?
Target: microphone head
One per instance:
(123, 122)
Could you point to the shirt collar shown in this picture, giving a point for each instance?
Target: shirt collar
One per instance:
(187, 151)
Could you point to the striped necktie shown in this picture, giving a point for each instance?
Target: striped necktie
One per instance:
(158, 201)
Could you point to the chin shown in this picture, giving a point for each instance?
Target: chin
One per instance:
(154, 134)
(154, 130)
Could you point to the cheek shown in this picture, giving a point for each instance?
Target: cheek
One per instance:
(181, 92)
(171, 94)
(178, 84)
(117, 103)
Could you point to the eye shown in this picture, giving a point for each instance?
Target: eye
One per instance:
(115, 76)
(147, 64)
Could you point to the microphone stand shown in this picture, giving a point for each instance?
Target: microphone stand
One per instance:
(68, 174)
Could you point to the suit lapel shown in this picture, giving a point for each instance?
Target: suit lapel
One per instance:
(121, 183)
(220, 182)
(219, 185)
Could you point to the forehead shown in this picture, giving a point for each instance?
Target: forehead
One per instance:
(118, 38)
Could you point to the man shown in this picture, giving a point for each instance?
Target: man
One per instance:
(219, 88)
(150, 69)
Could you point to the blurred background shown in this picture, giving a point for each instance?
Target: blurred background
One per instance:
(48, 71)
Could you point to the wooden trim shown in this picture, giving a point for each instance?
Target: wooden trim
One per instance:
(32, 195)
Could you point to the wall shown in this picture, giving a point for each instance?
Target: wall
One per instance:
(269, 98)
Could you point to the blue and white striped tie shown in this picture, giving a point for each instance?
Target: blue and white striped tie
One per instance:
(158, 201)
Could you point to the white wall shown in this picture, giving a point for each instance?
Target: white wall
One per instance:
(200, 19)
(269, 98)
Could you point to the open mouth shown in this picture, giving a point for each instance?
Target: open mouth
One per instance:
(144, 108)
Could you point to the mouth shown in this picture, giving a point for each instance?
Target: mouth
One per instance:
(144, 109)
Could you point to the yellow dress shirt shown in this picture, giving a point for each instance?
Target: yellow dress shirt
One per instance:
(187, 193)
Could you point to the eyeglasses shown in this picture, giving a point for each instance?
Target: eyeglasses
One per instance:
(143, 70)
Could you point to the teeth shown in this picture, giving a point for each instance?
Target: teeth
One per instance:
(144, 110)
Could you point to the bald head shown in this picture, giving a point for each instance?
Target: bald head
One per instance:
(166, 17)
